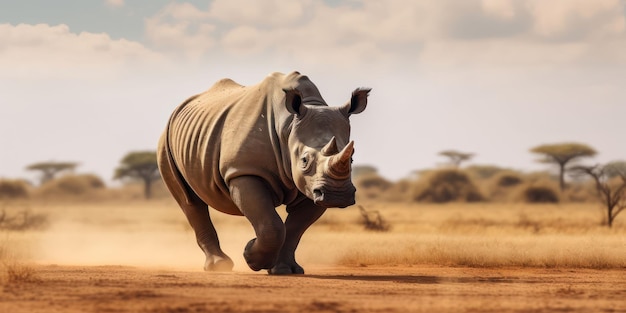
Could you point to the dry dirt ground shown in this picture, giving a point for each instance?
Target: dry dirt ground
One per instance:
(55, 288)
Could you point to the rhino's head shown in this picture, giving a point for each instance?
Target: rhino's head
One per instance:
(321, 150)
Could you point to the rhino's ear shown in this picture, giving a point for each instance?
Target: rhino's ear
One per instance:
(293, 102)
(358, 101)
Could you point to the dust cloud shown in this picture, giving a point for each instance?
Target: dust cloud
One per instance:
(137, 236)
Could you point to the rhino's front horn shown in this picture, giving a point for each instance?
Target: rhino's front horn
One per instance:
(339, 164)
(330, 148)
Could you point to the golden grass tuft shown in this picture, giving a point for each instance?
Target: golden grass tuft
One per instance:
(479, 251)
(474, 235)
(19, 273)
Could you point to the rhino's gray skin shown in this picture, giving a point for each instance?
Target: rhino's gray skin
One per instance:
(244, 150)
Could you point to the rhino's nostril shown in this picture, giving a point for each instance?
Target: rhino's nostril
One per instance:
(318, 193)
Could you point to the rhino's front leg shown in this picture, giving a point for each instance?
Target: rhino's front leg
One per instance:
(301, 216)
(253, 197)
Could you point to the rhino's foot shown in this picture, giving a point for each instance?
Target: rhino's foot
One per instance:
(286, 269)
(257, 261)
(218, 264)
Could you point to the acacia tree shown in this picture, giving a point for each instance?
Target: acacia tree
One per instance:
(615, 169)
(139, 165)
(561, 154)
(613, 195)
(456, 157)
(50, 169)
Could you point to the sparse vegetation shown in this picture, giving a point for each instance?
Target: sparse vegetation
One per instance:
(371, 186)
(142, 166)
(50, 170)
(484, 235)
(612, 193)
(22, 220)
(13, 189)
(446, 185)
(562, 154)
(360, 170)
(373, 220)
(483, 171)
(539, 193)
(455, 158)
(19, 273)
(71, 185)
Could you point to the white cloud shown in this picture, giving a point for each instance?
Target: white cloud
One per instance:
(179, 28)
(259, 13)
(397, 32)
(115, 3)
(54, 51)
(577, 19)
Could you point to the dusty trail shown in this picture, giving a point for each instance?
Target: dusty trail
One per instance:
(324, 289)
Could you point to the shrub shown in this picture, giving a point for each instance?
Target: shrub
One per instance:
(502, 186)
(398, 191)
(13, 189)
(21, 221)
(581, 192)
(446, 185)
(72, 185)
(371, 185)
(540, 193)
(508, 179)
(372, 220)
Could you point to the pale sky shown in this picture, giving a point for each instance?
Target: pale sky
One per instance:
(89, 81)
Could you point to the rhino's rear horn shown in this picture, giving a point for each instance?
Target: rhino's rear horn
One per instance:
(330, 148)
(339, 164)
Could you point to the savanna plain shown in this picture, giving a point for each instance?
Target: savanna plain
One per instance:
(140, 256)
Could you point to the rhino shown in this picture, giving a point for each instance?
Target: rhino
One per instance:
(246, 150)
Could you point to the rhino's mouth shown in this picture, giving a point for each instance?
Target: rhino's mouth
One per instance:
(328, 198)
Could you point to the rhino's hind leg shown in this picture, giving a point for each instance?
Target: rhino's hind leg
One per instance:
(197, 213)
(301, 216)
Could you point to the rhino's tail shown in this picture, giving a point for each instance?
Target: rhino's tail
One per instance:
(179, 187)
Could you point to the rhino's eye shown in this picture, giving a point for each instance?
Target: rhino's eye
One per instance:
(305, 161)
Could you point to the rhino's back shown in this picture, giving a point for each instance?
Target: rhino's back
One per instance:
(224, 133)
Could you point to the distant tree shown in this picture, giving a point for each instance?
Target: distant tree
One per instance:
(615, 169)
(562, 154)
(360, 170)
(456, 157)
(481, 171)
(613, 195)
(142, 166)
(49, 170)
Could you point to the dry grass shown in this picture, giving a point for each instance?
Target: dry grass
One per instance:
(17, 273)
(155, 233)
(480, 235)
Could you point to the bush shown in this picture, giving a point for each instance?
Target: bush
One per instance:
(446, 185)
(372, 220)
(72, 185)
(508, 179)
(22, 221)
(540, 193)
(398, 191)
(13, 189)
(371, 185)
(581, 192)
(503, 185)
